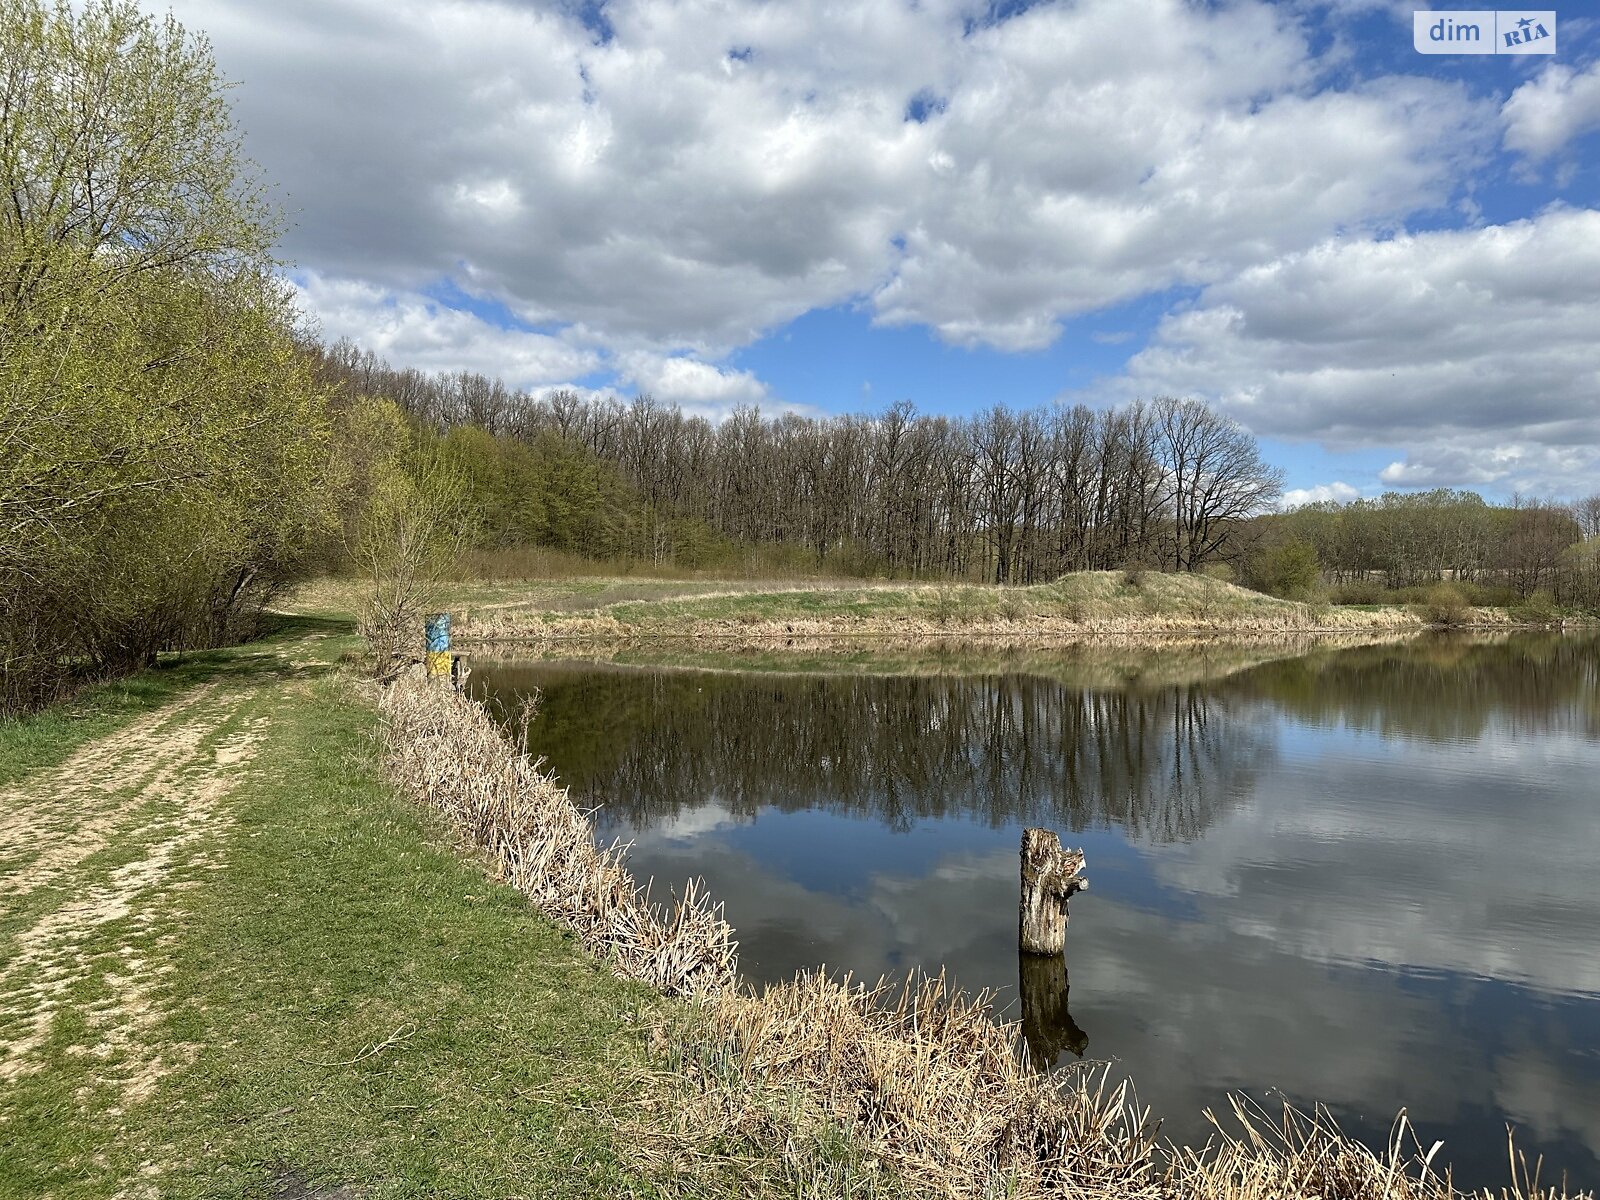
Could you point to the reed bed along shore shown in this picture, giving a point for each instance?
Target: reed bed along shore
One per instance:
(446, 751)
(827, 1087)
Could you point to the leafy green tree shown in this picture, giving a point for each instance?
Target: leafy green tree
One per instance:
(416, 520)
(1288, 569)
(164, 452)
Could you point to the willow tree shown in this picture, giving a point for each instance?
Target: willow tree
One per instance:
(162, 448)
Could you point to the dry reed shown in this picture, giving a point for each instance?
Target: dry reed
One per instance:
(447, 752)
(1295, 1153)
(924, 1083)
(936, 1090)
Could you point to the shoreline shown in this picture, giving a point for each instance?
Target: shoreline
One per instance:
(929, 1090)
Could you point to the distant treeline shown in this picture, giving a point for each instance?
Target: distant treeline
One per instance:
(1499, 553)
(1013, 496)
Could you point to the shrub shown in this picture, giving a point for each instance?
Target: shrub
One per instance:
(1289, 569)
(1538, 609)
(1446, 605)
(1362, 591)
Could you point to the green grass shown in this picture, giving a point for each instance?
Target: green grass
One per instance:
(45, 739)
(365, 1007)
(1090, 601)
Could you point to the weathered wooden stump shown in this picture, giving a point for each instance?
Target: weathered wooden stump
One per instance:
(1047, 1025)
(1051, 875)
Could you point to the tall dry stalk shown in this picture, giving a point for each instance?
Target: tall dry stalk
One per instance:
(923, 1082)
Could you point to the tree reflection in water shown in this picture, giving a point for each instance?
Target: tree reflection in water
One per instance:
(645, 746)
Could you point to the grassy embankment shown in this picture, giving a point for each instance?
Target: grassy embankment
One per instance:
(234, 961)
(1092, 603)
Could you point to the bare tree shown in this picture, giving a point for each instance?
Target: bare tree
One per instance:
(1216, 477)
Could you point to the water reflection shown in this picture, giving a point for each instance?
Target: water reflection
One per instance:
(1360, 877)
(897, 750)
(1047, 1025)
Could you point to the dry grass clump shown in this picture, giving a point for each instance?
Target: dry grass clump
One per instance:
(1306, 1154)
(911, 1091)
(447, 751)
(892, 1089)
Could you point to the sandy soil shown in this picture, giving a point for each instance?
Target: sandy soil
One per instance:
(93, 854)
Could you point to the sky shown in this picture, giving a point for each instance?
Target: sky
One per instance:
(1385, 264)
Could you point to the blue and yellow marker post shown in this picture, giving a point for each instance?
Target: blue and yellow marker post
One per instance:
(436, 633)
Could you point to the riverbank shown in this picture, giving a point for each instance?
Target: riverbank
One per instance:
(1089, 661)
(236, 962)
(1088, 604)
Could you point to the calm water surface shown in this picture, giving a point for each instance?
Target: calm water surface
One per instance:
(1365, 876)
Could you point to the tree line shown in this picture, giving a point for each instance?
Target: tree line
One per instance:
(1005, 495)
(1008, 495)
(164, 454)
(1499, 553)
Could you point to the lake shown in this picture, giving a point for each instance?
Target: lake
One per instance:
(1362, 876)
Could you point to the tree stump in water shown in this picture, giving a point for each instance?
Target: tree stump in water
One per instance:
(1050, 877)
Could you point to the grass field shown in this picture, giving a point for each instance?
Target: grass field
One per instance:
(1089, 603)
(233, 962)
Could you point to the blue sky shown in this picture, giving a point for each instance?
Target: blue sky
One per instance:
(1385, 264)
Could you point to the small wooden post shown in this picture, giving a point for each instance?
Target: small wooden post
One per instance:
(1050, 877)
(436, 632)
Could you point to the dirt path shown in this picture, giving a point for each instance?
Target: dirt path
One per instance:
(93, 854)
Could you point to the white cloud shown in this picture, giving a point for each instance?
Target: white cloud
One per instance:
(718, 167)
(412, 330)
(667, 195)
(695, 386)
(1475, 346)
(1550, 110)
(1322, 493)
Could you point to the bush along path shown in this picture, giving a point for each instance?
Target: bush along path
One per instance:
(233, 962)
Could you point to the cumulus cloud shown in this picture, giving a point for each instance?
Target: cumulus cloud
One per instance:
(413, 330)
(1476, 346)
(694, 386)
(658, 187)
(1550, 110)
(715, 168)
(1322, 493)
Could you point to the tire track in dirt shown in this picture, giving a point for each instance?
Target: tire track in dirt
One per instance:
(154, 791)
(46, 812)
